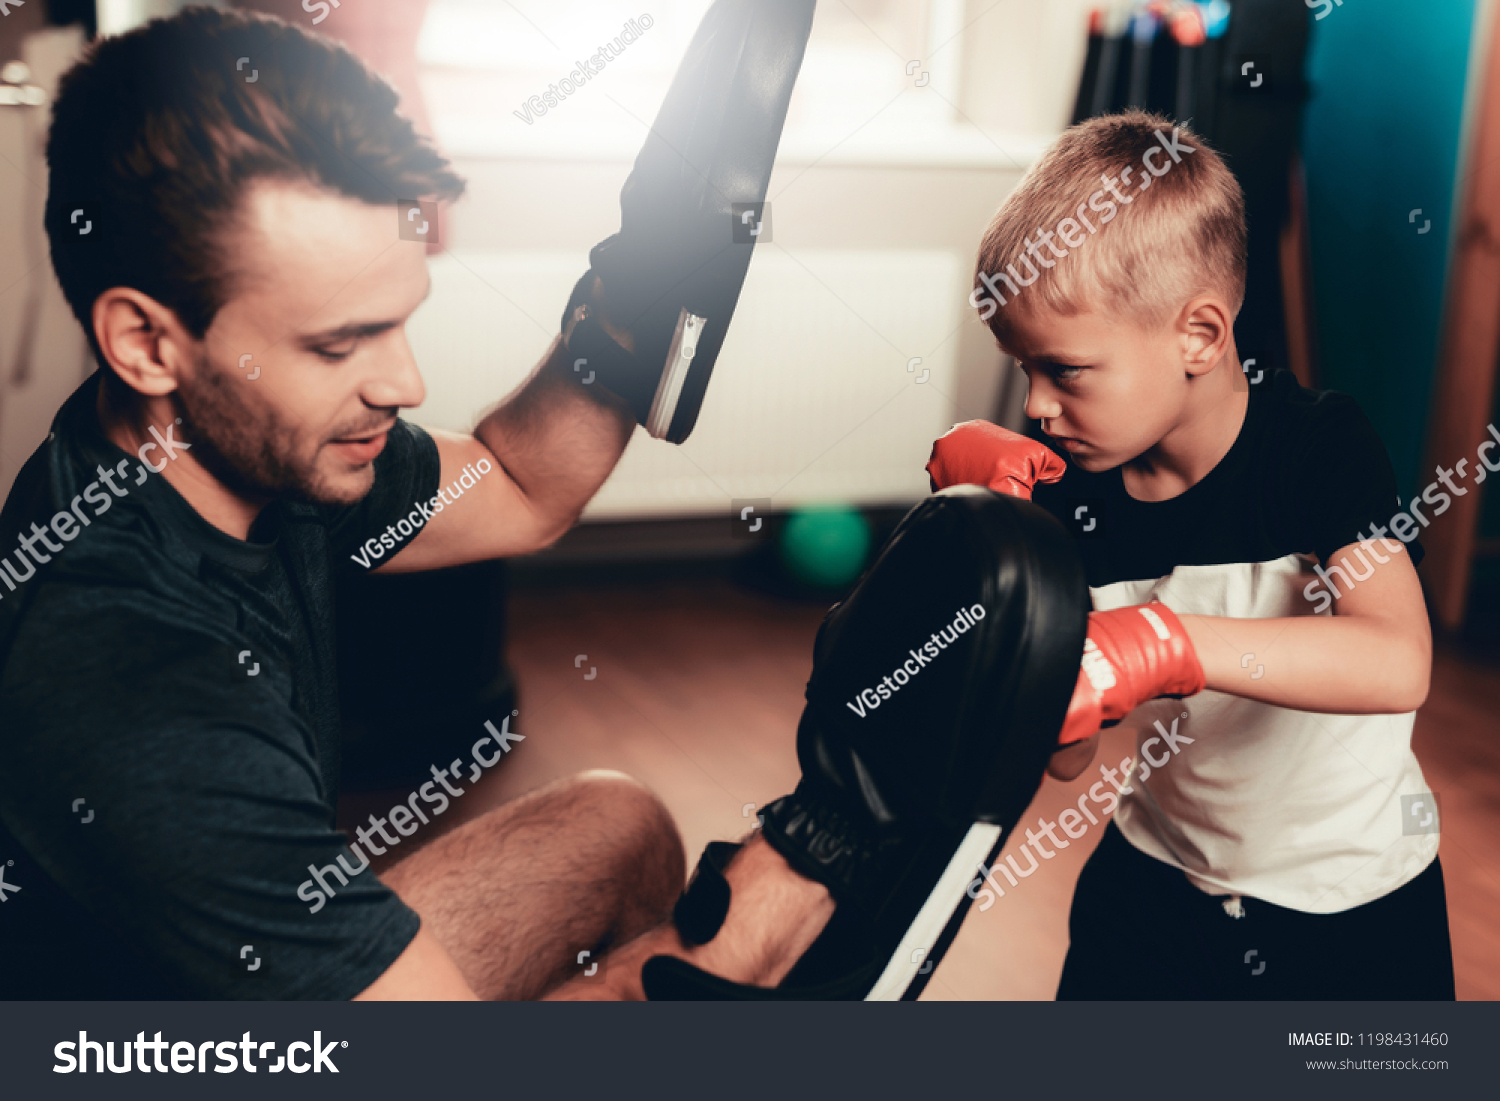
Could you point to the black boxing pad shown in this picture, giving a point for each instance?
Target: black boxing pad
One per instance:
(690, 214)
(938, 690)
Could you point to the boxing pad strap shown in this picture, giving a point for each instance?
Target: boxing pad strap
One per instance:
(702, 908)
(599, 361)
(824, 846)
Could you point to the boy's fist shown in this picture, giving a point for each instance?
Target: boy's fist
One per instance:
(980, 453)
(1131, 655)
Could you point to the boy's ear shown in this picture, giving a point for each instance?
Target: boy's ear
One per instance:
(141, 339)
(1205, 327)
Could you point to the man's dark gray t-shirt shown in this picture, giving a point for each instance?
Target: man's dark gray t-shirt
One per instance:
(169, 734)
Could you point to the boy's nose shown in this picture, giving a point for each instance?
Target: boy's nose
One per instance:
(1041, 405)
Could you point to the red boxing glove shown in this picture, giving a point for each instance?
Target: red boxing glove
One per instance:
(980, 453)
(1131, 655)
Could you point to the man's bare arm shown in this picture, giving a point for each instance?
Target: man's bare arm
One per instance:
(774, 916)
(549, 447)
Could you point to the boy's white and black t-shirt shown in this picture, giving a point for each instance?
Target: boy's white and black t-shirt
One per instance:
(1303, 810)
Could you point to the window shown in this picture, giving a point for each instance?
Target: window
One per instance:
(485, 61)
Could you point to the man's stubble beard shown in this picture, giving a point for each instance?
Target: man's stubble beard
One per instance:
(251, 449)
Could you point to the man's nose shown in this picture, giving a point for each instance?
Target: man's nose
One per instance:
(396, 381)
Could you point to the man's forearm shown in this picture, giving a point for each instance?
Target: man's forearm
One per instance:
(774, 916)
(1337, 664)
(558, 440)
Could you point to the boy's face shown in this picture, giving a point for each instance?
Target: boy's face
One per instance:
(326, 288)
(1105, 389)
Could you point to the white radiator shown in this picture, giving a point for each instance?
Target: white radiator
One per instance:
(811, 399)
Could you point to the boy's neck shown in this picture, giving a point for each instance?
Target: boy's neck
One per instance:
(1182, 458)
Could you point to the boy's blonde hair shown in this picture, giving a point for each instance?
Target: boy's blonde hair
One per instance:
(1183, 235)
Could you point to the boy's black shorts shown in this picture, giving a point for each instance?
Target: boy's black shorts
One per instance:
(1140, 930)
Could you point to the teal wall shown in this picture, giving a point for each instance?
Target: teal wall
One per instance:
(1381, 138)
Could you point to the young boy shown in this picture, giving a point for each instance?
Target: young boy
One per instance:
(1275, 838)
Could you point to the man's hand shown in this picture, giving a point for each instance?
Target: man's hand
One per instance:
(1131, 655)
(980, 453)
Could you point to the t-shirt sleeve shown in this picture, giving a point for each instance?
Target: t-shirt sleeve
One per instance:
(407, 472)
(1348, 485)
(209, 824)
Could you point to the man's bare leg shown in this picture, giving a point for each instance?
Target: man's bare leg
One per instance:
(774, 917)
(587, 862)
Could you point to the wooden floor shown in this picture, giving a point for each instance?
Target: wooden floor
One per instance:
(696, 689)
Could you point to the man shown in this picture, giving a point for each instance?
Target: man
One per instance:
(275, 242)
(168, 718)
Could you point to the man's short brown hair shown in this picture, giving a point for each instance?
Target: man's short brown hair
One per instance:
(156, 135)
(1183, 235)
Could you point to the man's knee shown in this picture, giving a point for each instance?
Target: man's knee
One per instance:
(639, 822)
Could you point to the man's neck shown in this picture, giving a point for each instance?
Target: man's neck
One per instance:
(128, 426)
(1197, 444)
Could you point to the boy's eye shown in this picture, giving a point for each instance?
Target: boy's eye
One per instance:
(1060, 372)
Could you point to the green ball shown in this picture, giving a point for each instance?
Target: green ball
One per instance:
(825, 545)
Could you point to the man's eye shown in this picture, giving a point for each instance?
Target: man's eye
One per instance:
(336, 353)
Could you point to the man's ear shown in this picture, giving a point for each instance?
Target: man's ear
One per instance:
(142, 340)
(1205, 327)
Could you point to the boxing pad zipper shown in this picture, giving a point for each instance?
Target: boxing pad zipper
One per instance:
(679, 362)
